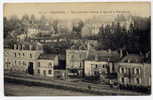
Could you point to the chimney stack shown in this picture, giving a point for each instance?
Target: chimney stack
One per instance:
(121, 53)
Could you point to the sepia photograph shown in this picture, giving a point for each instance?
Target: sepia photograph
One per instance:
(77, 49)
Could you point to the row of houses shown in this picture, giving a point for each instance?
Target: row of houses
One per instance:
(103, 65)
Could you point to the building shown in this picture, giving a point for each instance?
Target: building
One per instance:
(29, 57)
(100, 64)
(134, 72)
(22, 56)
(75, 62)
(46, 64)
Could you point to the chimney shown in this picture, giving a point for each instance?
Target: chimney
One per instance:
(121, 53)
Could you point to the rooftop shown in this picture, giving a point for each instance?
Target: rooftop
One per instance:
(133, 58)
(47, 56)
(104, 55)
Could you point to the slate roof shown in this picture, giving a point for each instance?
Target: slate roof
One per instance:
(133, 58)
(104, 55)
(24, 44)
(47, 56)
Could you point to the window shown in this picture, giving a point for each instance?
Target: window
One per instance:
(24, 63)
(103, 66)
(19, 54)
(44, 72)
(38, 71)
(138, 81)
(121, 70)
(113, 68)
(19, 62)
(80, 64)
(122, 80)
(38, 64)
(72, 56)
(138, 71)
(15, 62)
(23, 54)
(30, 55)
(49, 71)
(125, 69)
(96, 66)
(15, 54)
(50, 64)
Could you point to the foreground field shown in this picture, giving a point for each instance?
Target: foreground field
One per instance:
(23, 90)
(31, 86)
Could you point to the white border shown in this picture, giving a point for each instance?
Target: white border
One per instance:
(2, 97)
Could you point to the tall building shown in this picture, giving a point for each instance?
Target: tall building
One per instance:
(101, 65)
(22, 57)
(75, 62)
(133, 71)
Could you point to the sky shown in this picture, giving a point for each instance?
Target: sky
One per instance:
(77, 10)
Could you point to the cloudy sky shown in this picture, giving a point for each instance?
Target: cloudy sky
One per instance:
(76, 10)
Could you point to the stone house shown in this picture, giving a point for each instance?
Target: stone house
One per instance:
(46, 64)
(133, 71)
(101, 64)
(22, 57)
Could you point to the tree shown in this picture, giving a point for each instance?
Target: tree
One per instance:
(77, 27)
(55, 26)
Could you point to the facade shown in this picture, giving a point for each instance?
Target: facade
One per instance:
(60, 74)
(22, 57)
(46, 64)
(94, 67)
(75, 62)
(101, 64)
(132, 71)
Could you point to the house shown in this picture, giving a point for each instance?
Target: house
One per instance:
(75, 62)
(51, 65)
(46, 64)
(133, 72)
(22, 56)
(8, 59)
(100, 64)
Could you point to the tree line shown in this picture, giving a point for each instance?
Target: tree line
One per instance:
(135, 39)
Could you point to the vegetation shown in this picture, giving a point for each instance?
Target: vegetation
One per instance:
(135, 39)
